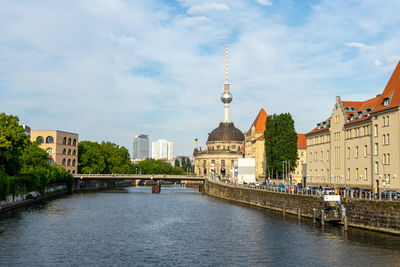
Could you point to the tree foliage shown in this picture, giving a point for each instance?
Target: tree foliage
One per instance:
(280, 143)
(103, 158)
(152, 166)
(13, 142)
(23, 164)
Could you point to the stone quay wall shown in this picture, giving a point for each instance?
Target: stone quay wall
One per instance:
(382, 216)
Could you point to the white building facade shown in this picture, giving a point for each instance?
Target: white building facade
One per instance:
(162, 149)
(140, 147)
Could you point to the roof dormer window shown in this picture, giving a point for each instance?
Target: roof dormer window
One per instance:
(360, 115)
(386, 102)
(351, 117)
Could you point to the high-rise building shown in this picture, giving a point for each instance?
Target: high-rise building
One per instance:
(140, 147)
(162, 149)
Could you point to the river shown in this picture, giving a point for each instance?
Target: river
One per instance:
(179, 227)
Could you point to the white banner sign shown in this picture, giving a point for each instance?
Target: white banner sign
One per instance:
(331, 197)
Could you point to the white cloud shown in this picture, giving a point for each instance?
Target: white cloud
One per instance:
(358, 45)
(264, 2)
(108, 72)
(377, 63)
(203, 8)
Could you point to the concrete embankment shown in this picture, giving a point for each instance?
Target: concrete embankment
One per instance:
(383, 216)
(24, 203)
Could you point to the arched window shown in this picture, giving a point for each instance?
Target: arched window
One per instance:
(74, 152)
(50, 161)
(74, 143)
(49, 150)
(69, 171)
(40, 138)
(73, 162)
(73, 171)
(64, 152)
(69, 162)
(69, 151)
(63, 162)
(64, 140)
(69, 141)
(49, 140)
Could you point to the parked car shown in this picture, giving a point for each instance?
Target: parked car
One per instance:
(365, 192)
(386, 194)
(252, 185)
(328, 191)
(355, 190)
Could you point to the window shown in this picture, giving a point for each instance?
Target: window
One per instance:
(327, 155)
(310, 155)
(69, 141)
(386, 102)
(64, 141)
(384, 159)
(63, 162)
(366, 174)
(69, 162)
(49, 140)
(40, 138)
(73, 171)
(69, 151)
(388, 158)
(302, 154)
(348, 152)
(376, 149)
(387, 139)
(357, 174)
(74, 142)
(384, 139)
(50, 161)
(356, 152)
(387, 120)
(375, 130)
(64, 152)
(73, 162)
(384, 121)
(49, 150)
(74, 152)
(348, 173)
(365, 151)
(376, 167)
(322, 155)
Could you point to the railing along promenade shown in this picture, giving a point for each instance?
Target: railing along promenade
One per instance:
(350, 194)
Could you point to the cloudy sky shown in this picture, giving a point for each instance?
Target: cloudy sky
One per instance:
(108, 69)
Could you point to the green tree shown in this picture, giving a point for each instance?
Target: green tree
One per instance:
(13, 142)
(280, 143)
(177, 163)
(33, 157)
(152, 166)
(4, 185)
(90, 158)
(116, 158)
(189, 165)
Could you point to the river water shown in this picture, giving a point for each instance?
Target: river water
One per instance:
(179, 227)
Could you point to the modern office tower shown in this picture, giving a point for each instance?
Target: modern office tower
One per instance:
(140, 147)
(162, 149)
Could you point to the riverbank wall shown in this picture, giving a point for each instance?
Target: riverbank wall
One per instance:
(382, 216)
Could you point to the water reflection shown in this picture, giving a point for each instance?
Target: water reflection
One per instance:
(179, 227)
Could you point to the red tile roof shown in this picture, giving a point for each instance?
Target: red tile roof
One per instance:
(315, 130)
(259, 122)
(392, 91)
(301, 141)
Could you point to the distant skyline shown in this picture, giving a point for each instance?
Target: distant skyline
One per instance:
(106, 69)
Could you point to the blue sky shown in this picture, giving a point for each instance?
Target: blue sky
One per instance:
(108, 69)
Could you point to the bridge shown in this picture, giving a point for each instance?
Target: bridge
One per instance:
(103, 181)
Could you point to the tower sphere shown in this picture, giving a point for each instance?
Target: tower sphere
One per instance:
(226, 97)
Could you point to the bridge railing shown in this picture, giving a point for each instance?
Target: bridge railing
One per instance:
(156, 176)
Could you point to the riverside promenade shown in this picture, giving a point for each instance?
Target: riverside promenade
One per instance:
(376, 215)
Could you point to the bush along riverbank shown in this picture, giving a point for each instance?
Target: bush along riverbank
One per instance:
(35, 184)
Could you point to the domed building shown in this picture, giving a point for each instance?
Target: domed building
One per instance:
(224, 144)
